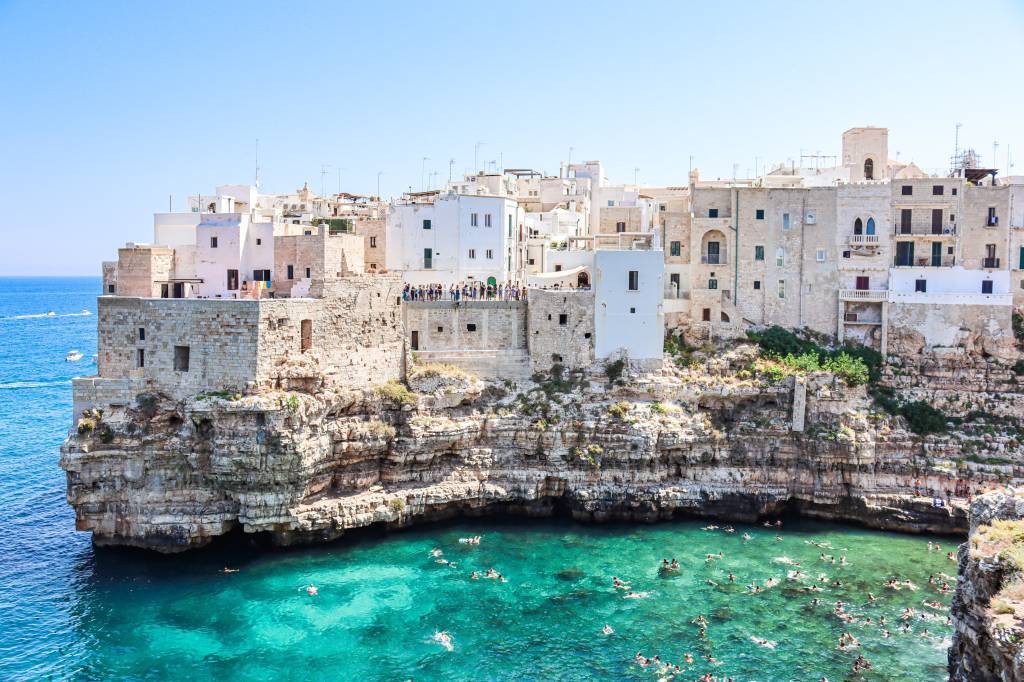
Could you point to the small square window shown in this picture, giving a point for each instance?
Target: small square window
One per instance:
(921, 285)
(937, 190)
(759, 214)
(846, 254)
(712, 212)
(440, 329)
(611, 203)
(213, 242)
(819, 255)
(259, 242)
(632, 310)
(426, 223)
(470, 327)
(907, 190)
(563, 319)
(757, 284)
(954, 191)
(531, 261)
(712, 284)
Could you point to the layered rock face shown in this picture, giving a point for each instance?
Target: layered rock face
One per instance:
(302, 467)
(988, 607)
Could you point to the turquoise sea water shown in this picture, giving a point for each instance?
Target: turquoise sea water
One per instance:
(70, 611)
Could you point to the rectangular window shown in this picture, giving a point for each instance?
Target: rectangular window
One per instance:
(620, 227)
(906, 215)
(757, 284)
(428, 259)
(907, 190)
(141, 356)
(487, 219)
(259, 241)
(863, 283)
(675, 248)
(936, 221)
(470, 327)
(472, 253)
(531, 261)
(782, 288)
(440, 329)
(563, 319)
(904, 254)
(712, 284)
(819, 255)
(489, 253)
(611, 203)
(308, 275)
(305, 334)
(291, 272)
(785, 221)
(921, 285)
(780, 257)
(758, 252)
(954, 191)
(712, 212)
(473, 217)
(213, 242)
(992, 220)
(937, 190)
(181, 354)
(142, 334)
(373, 242)
(634, 280)
(426, 223)
(705, 315)
(232, 280)
(759, 214)
(986, 286)
(110, 289)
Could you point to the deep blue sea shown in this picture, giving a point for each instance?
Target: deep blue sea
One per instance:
(68, 611)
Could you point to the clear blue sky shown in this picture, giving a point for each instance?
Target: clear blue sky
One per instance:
(110, 107)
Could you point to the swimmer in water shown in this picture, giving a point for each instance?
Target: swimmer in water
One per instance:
(311, 590)
(746, 536)
(230, 570)
(474, 576)
(445, 640)
(436, 552)
(607, 629)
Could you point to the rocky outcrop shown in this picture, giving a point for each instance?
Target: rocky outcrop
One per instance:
(988, 607)
(709, 440)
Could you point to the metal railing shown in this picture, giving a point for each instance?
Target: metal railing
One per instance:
(863, 239)
(863, 294)
(713, 259)
(990, 262)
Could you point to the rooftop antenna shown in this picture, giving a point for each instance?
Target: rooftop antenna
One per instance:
(995, 146)
(636, 172)
(691, 163)
(501, 162)
(379, 173)
(323, 174)
(170, 203)
(757, 161)
(339, 178)
(423, 172)
(451, 166)
(570, 156)
(476, 156)
(257, 163)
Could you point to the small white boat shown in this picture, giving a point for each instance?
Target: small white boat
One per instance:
(50, 313)
(73, 356)
(85, 312)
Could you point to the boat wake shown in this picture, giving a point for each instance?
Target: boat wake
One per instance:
(34, 316)
(16, 385)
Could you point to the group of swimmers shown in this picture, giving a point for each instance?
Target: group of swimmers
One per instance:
(490, 574)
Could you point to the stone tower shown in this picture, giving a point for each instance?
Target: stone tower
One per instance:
(866, 153)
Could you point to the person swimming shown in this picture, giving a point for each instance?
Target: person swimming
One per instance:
(607, 629)
(229, 570)
(746, 536)
(311, 590)
(444, 639)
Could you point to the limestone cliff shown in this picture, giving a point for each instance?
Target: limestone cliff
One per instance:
(708, 439)
(988, 608)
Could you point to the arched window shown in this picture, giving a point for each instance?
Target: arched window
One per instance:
(869, 170)
(858, 226)
(871, 226)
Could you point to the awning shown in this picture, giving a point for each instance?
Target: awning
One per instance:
(549, 276)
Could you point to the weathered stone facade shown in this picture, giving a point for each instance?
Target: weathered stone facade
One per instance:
(561, 329)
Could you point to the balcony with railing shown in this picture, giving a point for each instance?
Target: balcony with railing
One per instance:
(924, 262)
(921, 229)
(989, 263)
(863, 240)
(714, 258)
(864, 295)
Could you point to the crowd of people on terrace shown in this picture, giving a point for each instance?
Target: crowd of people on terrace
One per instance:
(470, 291)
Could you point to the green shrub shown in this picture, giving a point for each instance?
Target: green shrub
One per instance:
(396, 392)
(1018, 367)
(922, 418)
(781, 342)
(292, 403)
(613, 370)
(658, 408)
(396, 504)
(850, 369)
(619, 410)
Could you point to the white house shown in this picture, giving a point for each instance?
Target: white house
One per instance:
(230, 251)
(456, 238)
(628, 294)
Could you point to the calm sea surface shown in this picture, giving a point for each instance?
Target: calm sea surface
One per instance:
(69, 611)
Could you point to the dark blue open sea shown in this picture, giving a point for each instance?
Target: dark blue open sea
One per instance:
(68, 611)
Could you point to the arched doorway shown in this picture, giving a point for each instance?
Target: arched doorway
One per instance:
(871, 225)
(712, 248)
(858, 226)
(869, 169)
(583, 280)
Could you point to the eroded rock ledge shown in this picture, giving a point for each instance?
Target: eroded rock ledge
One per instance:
(704, 440)
(988, 607)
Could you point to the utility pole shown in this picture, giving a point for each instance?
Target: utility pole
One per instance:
(170, 203)
(451, 167)
(995, 146)
(323, 174)
(423, 172)
(636, 173)
(570, 159)
(691, 163)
